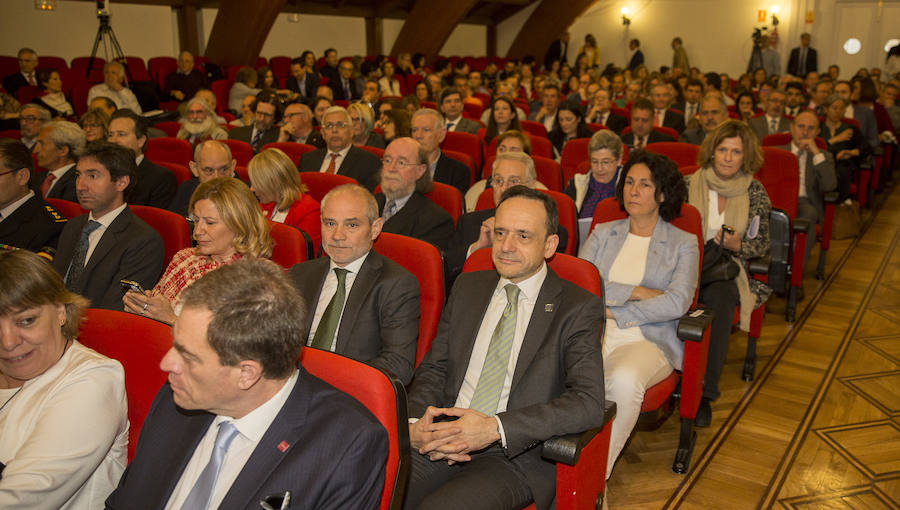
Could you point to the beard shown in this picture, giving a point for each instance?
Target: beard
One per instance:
(199, 128)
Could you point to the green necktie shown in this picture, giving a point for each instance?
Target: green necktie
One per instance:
(493, 373)
(332, 317)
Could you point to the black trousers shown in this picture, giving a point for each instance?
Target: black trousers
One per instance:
(722, 297)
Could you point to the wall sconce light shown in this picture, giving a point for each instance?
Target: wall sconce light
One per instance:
(45, 5)
(774, 10)
(625, 19)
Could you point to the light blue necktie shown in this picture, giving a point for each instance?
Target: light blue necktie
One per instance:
(199, 497)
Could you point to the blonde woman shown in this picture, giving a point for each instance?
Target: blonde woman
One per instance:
(283, 198)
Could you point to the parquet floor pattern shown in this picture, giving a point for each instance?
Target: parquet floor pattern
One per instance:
(819, 427)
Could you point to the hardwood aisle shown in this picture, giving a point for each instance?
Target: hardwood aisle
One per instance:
(819, 427)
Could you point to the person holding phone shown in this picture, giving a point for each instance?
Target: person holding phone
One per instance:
(228, 226)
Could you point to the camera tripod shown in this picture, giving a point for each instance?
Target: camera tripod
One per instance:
(111, 46)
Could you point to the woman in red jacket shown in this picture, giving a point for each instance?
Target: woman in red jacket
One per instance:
(275, 181)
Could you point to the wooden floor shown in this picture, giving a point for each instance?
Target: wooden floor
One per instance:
(819, 427)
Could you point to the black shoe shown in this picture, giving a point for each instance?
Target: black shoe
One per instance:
(704, 414)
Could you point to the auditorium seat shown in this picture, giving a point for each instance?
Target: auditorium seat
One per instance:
(292, 245)
(465, 159)
(182, 173)
(66, 208)
(241, 151)
(172, 227)
(169, 149)
(169, 127)
(683, 154)
(466, 143)
(293, 150)
(159, 68)
(568, 218)
(320, 183)
(533, 127)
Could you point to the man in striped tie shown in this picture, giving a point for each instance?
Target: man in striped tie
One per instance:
(528, 367)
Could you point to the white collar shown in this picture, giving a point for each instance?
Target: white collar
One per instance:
(107, 219)
(529, 287)
(11, 208)
(254, 424)
(352, 267)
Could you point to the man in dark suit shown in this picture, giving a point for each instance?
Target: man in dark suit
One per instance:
(298, 126)
(816, 169)
(601, 113)
(451, 105)
(185, 81)
(557, 51)
(527, 368)
(267, 114)
(26, 221)
(662, 115)
(546, 114)
(302, 83)
(212, 159)
(109, 244)
(238, 421)
(713, 111)
(475, 230)
(330, 69)
(690, 107)
(642, 131)
(429, 130)
(28, 61)
(378, 320)
(340, 156)
(346, 87)
(57, 146)
(637, 56)
(803, 59)
(402, 202)
(796, 100)
(155, 185)
(773, 121)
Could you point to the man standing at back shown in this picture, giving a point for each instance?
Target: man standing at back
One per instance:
(340, 156)
(528, 367)
(239, 422)
(108, 244)
(803, 59)
(362, 304)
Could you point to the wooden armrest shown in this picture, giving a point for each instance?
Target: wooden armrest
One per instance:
(692, 324)
(567, 448)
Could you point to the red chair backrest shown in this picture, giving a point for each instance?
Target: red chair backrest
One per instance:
(241, 151)
(290, 245)
(382, 396)
(465, 159)
(220, 89)
(847, 120)
(448, 198)
(593, 126)
(182, 173)
(659, 129)
(320, 183)
(780, 175)
(533, 127)
(779, 139)
(28, 94)
(576, 270)
(80, 90)
(172, 227)
(169, 149)
(467, 143)
(565, 206)
(242, 173)
(683, 154)
(137, 69)
(374, 150)
(66, 208)
(80, 65)
(548, 171)
(160, 67)
(689, 221)
(15, 134)
(688, 169)
(424, 261)
(539, 147)
(104, 331)
(574, 152)
(473, 110)
(169, 127)
(48, 62)
(281, 66)
(293, 149)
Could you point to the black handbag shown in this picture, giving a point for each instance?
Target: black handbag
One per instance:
(718, 264)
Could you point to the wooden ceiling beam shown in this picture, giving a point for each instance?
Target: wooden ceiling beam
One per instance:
(429, 25)
(253, 20)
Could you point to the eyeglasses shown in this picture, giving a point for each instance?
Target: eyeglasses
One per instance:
(401, 163)
(333, 125)
(265, 115)
(29, 118)
(498, 182)
(606, 162)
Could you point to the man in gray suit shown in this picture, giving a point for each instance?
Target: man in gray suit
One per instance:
(713, 111)
(452, 108)
(378, 320)
(528, 367)
(817, 174)
(773, 121)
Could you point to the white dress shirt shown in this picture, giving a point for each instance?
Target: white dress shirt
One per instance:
(251, 428)
(105, 221)
(124, 98)
(337, 162)
(328, 290)
(817, 159)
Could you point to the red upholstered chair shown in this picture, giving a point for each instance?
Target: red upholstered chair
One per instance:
(137, 70)
(424, 261)
(547, 170)
(281, 66)
(49, 62)
(465, 159)
(160, 67)
(374, 150)
(292, 245)
(466, 143)
(320, 183)
(169, 127)
(242, 173)
(384, 397)
(220, 89)
(568, 218)
(444, 196)
(594, 127)
(473, 110)
(28, 94)
(533, 127)
(169, 149)
(66, 208)
(683, 154)
(182, 173)
(693, 329)
(580, 458)
(574, 152)
(80, 90)
(659, 129)
(15, 134)
(104, 331)
(241, 151)
(293, 149)
(172, 227)
(539, 147)
(80, 65)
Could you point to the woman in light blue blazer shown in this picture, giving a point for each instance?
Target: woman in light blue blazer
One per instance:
(650, 272)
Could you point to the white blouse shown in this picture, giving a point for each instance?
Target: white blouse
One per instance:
(628, 269)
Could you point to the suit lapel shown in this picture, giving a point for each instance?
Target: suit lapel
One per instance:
(108, 240)
(463, 342)
(179, 453)
(541, 318)
(362, 286)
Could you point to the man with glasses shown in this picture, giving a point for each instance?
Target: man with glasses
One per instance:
(713, 111)
(266, 112)
(28, 61)
(773, 121)
(402, 203)
(474, 229)
(340, 156)
(428, 129)
(211, 159)
(31, 118)
(298, 126)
